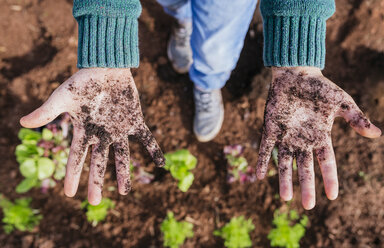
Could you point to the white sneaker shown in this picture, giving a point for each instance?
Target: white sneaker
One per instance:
(179, 48)
(209, 114)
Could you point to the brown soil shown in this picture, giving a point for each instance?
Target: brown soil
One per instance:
(38, 51)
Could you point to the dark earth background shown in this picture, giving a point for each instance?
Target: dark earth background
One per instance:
(38, 41)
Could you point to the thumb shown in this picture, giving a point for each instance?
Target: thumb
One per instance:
(53, 107)
(358, 121)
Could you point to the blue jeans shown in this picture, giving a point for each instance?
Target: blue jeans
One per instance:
(219, 29)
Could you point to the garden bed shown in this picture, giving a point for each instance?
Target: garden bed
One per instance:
(38, 51)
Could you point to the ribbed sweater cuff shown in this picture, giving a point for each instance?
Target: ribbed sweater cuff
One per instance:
(294, 41)
(107, 42)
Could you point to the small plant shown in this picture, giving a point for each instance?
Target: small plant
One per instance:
(180, 163)
(98, 213)
(289, 229)
(175, 232)
(139, 174)
(42, 156)
(238, 169)
(236, 233)
(19, 215)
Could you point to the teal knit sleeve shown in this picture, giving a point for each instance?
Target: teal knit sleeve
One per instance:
(108, 33)
(294, 31)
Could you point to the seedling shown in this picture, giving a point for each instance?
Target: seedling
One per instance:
(236, 233)
(139, 174)
(42, 156)
(180, 163)
(289, 229)
(96, 214)
(175, 232)
(19, 215)
(238, 169)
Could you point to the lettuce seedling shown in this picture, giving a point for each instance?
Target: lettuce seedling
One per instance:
(236, 233)
(238, 169)
(175, 232)
(19, 215)
(180, 163)
(289, 229)
(98, 213)
(42, 156)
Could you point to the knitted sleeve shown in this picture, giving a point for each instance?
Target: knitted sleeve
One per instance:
(294, 31)
(108, 33)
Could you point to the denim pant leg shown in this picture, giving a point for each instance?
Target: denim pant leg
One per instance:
(179, 9)
(219, 29)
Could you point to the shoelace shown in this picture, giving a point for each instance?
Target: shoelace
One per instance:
(181, 36)
(204, 102)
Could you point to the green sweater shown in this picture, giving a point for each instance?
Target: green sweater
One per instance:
(294, 32)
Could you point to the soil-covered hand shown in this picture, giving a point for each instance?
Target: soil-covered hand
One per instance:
(301, 107)
(105, 108)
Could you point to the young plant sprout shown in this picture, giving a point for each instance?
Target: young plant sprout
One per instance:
(19, 215)
(289, 229)
(180, 163)
(98, 213)
(139, 174)
(43, 155)
(238, 169)
(175, 232)
(236, 233)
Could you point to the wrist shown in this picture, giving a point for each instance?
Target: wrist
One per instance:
(305, 70)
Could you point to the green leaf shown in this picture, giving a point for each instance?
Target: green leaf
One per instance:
(26, 184)
(59, 172)
(183, 156)
(186, 182)
(19, 215)
(29, 136)
(47, 134)
(24, 151)
(61, 157)
(28, 168)
(180, 163)
(98, 213)
(45, 168)
(289, 229)
(236, 232)
(175, 232)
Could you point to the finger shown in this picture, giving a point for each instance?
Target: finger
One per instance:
(307, 178)
(265, 151)
(99, 161)
(358, 121)
(75, 162)
(146, 138)
(122, 166)
(326, 158)
(53, 107)
(285, 173)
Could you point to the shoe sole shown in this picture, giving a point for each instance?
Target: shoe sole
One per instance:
(177, 69)
(211, 135)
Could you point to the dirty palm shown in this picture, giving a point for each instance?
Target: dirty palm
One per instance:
(301, 107)
(105, 109)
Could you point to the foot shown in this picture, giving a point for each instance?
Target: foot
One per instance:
(179, 48)
(209, 113)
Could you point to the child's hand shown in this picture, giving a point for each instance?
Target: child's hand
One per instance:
(104, 107)
(299, 114)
